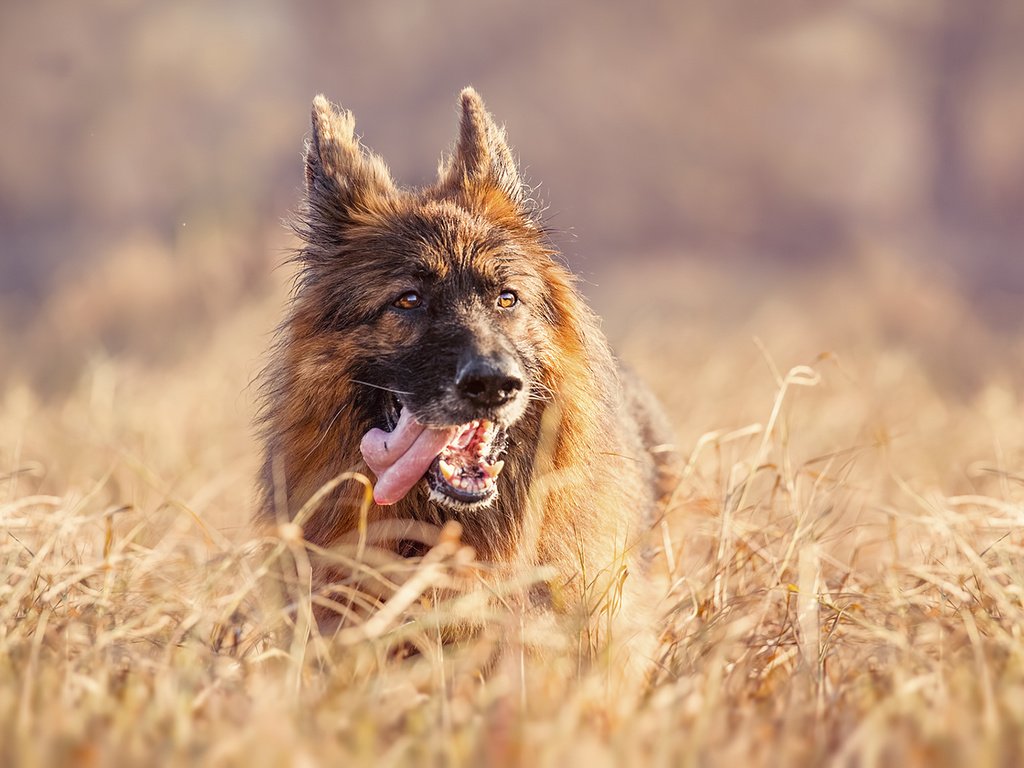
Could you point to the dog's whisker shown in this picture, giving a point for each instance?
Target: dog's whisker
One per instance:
(543, 387)
(378, 386)
(323, 435)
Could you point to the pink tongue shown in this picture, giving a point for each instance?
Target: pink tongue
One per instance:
(400, 458)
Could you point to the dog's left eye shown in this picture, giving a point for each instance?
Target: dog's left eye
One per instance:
(507, 299)
(408, 300)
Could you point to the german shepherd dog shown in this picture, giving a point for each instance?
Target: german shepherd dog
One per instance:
(436, 345)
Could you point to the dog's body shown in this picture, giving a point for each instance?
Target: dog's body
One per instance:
(435, 341)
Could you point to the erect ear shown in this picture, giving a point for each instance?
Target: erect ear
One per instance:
(482, 158)
(339, 171)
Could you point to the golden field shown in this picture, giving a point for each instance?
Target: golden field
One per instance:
(841, 567)
(800, 222)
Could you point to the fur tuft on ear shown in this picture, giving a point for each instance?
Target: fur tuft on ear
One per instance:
(482, 157)
(338, 169)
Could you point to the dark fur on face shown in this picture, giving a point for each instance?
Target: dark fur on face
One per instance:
(447, 301)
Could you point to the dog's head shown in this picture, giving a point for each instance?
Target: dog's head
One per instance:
(441, 306)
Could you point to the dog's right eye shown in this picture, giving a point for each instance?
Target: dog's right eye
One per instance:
(408, 300)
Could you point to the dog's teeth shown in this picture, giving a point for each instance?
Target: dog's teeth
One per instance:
(492, 470)
(447, 470)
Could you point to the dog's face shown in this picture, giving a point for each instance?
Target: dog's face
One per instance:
(457, 316)
(441, 300)
(455, 322)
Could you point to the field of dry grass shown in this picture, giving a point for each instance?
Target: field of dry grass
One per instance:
(843, 579)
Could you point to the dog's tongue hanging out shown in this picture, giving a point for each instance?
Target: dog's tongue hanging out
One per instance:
(400, 458)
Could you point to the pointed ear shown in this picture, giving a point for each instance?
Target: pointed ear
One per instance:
(482, 157)
(340, 172)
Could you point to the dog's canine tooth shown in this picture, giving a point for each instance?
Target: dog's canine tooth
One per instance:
(447, 470)
(492, 470)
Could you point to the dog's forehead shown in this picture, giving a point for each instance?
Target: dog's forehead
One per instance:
(447, 238)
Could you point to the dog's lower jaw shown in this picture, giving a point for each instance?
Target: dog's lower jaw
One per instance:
(445, 501)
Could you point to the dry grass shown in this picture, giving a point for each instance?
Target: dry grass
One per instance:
(842, 570)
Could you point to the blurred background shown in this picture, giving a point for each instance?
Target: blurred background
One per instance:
(702, 157)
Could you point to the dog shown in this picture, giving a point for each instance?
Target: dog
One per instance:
(436, 344)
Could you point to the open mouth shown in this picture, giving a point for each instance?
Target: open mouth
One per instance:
(459, 464)
(467, 468)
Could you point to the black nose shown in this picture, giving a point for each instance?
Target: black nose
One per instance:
(489, 382)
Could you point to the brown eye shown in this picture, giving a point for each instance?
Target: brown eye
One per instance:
(408, 300)
(507, 299)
